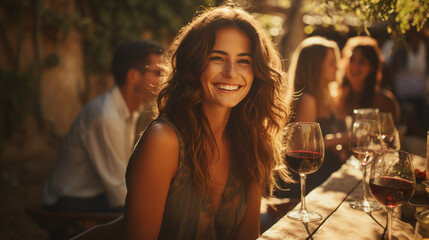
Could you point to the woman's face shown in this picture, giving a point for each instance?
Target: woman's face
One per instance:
(359, 68)
(329, 67)
(229, 74)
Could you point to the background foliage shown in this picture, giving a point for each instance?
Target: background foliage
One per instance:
(399, 15)
(103, 26)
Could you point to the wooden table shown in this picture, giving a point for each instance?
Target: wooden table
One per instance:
(340, 221)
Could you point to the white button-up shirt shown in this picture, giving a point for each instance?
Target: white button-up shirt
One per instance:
(94, 155)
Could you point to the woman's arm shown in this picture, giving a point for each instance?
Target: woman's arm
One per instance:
(307, 112)
(249, 226)
(340, 102)
(154, 164)
(387, 102)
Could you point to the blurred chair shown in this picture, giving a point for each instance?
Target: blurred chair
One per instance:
(111, 230)
(64, 225)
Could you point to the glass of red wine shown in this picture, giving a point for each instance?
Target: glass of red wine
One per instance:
(305, 151)
(365, 142)
(392, 181)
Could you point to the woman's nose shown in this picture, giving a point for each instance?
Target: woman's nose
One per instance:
(352, 65)
(229, 69)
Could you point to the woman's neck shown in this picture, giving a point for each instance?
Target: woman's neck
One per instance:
(356, 87)
(218, 118)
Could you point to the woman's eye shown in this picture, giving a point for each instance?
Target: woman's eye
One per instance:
(216, 58)
(244, 61)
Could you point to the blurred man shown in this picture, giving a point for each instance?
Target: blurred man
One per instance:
(89, 172)
(409, 64)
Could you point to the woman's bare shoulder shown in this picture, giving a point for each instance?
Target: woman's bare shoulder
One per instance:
(387, 102)
(162, 133)
(384, 98)
(158, 147)
(308, 99)
(307, 109)
(307, 102)
(387, 94)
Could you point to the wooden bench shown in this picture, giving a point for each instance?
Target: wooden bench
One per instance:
(64, 225)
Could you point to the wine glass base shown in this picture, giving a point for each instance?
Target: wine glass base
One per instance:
(368, 206)
(304, 216)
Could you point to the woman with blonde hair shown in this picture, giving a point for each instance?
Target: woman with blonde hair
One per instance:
(312, 69)
(199, 170)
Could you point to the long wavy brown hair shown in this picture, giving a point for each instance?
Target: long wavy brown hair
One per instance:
(256, 123)
(305, 69)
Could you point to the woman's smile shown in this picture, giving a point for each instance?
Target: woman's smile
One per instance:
(359, 68)
(228, 77)
(227, 87)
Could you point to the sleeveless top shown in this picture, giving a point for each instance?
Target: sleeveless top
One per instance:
(188, 213)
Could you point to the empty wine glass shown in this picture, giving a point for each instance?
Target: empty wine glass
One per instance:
(305, 151)
(360, 113)
(389, 133)
(365, 142)
(392, 181)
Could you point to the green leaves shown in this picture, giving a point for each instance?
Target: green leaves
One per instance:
(112, 22)
(400, 15)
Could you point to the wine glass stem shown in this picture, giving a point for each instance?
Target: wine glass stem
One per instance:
(303, 177)
(364, 187)
(389, 223)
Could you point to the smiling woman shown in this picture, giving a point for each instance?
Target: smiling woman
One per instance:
(200, 169)
(229, 75)
(362, 65)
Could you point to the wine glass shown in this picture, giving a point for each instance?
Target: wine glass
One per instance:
(305, 151)
(364, 111)
(365, 141)
(392, 181)
(389, 133)
(360, 113)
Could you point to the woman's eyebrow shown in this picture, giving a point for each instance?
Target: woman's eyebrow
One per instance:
(224, 53)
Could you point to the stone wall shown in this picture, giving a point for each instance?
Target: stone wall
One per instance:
(64, 90)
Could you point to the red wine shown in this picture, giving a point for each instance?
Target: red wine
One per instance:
(391, 191)
(304, 161)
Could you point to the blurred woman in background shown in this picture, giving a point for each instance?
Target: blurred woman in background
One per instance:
(362, 65)
(312, 69)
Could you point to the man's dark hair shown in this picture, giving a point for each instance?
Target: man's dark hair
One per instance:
(132, 54)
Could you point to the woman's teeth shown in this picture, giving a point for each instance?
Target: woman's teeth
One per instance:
(227, 87)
